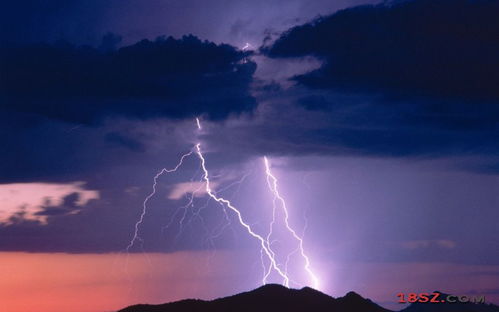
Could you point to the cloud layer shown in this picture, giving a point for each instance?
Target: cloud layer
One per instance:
(424, 47)
(167, 77)
(400, 79)
(21, 202)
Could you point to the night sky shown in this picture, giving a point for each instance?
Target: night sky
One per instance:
(380, 121)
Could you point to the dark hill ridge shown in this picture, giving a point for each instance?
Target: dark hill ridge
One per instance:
(277, 298)
(270, 297)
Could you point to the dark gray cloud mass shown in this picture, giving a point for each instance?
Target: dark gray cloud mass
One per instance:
(401, 78)
(417, 48)
(167, 77)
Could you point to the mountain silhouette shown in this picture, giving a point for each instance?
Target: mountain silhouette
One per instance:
(276, 298)
(270, 297)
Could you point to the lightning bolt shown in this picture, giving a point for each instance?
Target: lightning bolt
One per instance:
(136, 236)
(225, 202)
(265, 242)
(272, 184)
(246, 46)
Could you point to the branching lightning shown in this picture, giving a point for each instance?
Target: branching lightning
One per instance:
(136, 236)
(272, 183)
(267, 253)
(263, 242)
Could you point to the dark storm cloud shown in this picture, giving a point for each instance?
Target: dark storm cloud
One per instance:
(31, 20)
(169, 77)
(85, 21)
(402, 78)
(311, 122)
(416, 48)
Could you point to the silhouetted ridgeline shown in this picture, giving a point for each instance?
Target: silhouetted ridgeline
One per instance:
(277, 298)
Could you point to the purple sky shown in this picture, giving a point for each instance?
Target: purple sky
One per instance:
(383, 136)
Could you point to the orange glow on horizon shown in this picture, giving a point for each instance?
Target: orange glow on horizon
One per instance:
(50, 282)
(45, 282)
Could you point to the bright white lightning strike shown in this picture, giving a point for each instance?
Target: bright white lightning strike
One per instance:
(265, 243)
(136, 236)
(272, 183)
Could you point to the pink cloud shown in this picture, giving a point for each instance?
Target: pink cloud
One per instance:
(26, 200)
